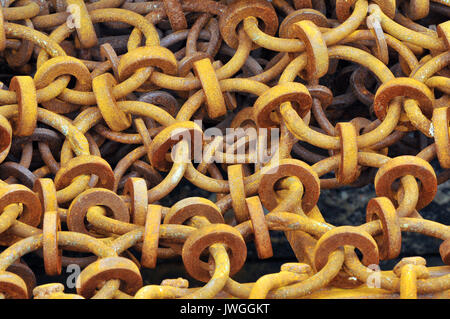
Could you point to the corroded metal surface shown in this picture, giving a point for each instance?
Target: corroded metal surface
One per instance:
(108, 108)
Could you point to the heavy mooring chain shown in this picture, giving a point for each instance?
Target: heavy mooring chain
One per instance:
(252, 107)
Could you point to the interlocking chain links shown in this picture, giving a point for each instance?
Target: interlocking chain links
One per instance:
(123, 110)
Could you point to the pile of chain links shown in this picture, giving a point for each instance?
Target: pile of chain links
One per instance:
(109, 90)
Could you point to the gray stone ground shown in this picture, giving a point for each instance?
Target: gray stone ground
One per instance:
(347, 207)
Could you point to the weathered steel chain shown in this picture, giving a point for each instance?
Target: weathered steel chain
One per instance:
(188, 93)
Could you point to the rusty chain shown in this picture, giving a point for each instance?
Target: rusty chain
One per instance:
(127, 101)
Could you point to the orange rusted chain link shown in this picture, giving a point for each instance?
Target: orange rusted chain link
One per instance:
(188, 129)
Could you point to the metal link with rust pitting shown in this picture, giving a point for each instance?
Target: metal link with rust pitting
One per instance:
(100, 134)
